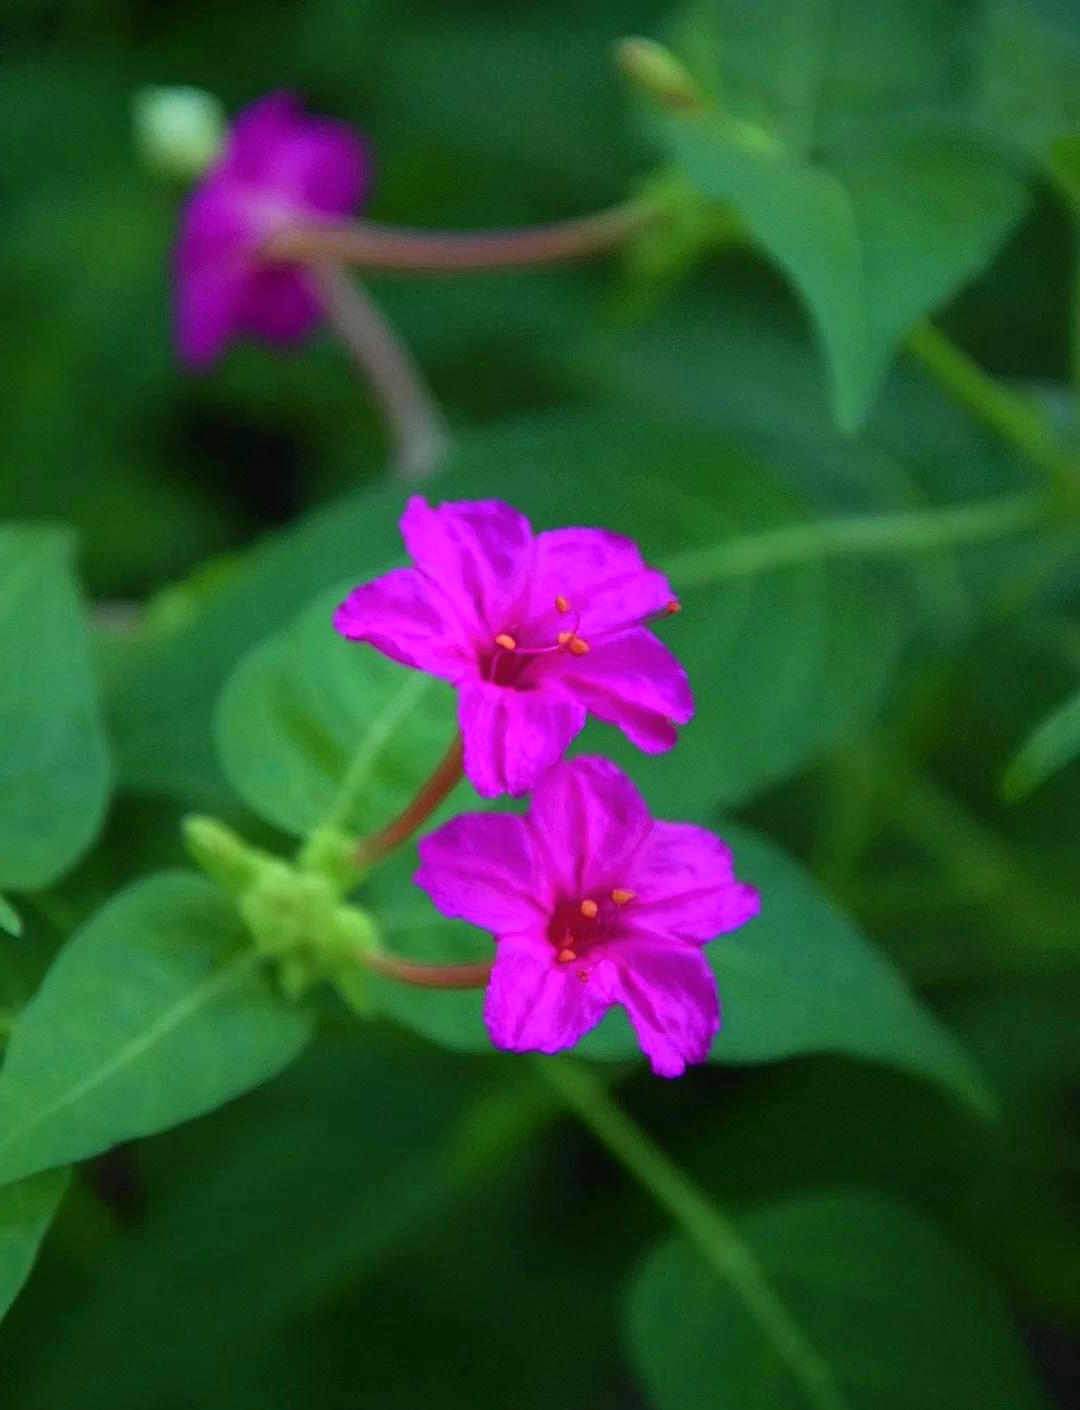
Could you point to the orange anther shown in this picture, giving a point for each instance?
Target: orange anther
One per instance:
(620, 895)
(566, 957)
(583, 974)
(590, 910)
(565, 637)
(506, 641)
(562, 604)
(577, 646)
(673, 607)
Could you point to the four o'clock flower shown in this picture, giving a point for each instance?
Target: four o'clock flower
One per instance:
(592, 903)
(536, 631)
(279, 167)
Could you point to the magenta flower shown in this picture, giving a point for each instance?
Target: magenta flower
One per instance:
(592, 903)
(535, 630)
(279, 167)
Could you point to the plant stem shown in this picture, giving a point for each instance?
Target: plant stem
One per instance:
(397, 249)
(712, 1231)
(429, 976)
(441, 783)
(1009, 414)
(862, 535)
(411, 411)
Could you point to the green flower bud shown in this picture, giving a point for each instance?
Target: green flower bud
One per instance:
(659, 74)
(224, 856)
(178, 131)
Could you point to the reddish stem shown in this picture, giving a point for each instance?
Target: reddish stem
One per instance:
(441, 783)
(397, 248)
(430, 976)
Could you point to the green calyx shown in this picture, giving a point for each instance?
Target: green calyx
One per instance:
(294, 911)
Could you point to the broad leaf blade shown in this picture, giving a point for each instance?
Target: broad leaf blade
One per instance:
(312, 728)
(902, 1319)
(26, 1211)
(54, 771)
(10, 920)
(155, 1011)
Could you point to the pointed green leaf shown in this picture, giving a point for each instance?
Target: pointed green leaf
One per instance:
(1053, 746)
(899, 1318)
(54, 772)
(26, 1211)
(315, 729)
(156, 1010)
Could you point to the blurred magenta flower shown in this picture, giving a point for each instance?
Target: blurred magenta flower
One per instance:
(535, 630)
(279, 167)
(592, 903)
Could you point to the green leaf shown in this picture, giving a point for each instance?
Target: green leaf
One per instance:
(10, 920)
(799, 978)
(155, 1011)
(781, 662)
(1055, 744)
(314, 729)
(900, 1317)
(877, 222)
(26, 1211)
(54, 772)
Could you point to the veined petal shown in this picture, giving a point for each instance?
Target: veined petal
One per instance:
(602, 575)
(511, 737)
(399, 615)
(632, 681)
(481, 868)
(477, 554)
(588, 820)
(686, 885)
(535, 1004)
(669, 991)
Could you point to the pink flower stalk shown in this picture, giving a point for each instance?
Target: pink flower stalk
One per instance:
(592, 903)
(279, 167)
(536, 631)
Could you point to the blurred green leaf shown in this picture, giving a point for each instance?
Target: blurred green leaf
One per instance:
(10, 919)
(313, 729)
(877, 221)
(54, 773)
(155, 1011)
(799, 978)
(900, 1318)
(26, 1211)
(1054, 745)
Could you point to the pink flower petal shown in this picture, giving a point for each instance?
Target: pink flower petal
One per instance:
(535, 1004)
(634, 682)
(400, 616)
(481, 868)
(479, 555)
(279, 304)
(686, 886)
(602, 575)
(512, 736)
(588, 820)
(207, 303)
(257, 133)
(670, 994)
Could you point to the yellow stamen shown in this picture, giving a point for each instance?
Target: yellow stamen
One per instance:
(577, 646)
(566, 956)
(621, 896)
(562, 604)
(564, 638)
(590, 910)
(506, 641)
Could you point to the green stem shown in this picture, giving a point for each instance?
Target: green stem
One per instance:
(1009, 414)
(713, 1233)
(862, 535)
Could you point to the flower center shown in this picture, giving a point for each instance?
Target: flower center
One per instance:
(516, 650)
(578, 926)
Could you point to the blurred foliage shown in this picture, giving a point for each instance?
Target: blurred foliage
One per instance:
(402, 1222)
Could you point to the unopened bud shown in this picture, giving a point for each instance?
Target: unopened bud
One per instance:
(224, 856)
(178, 131)
(658, 73)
